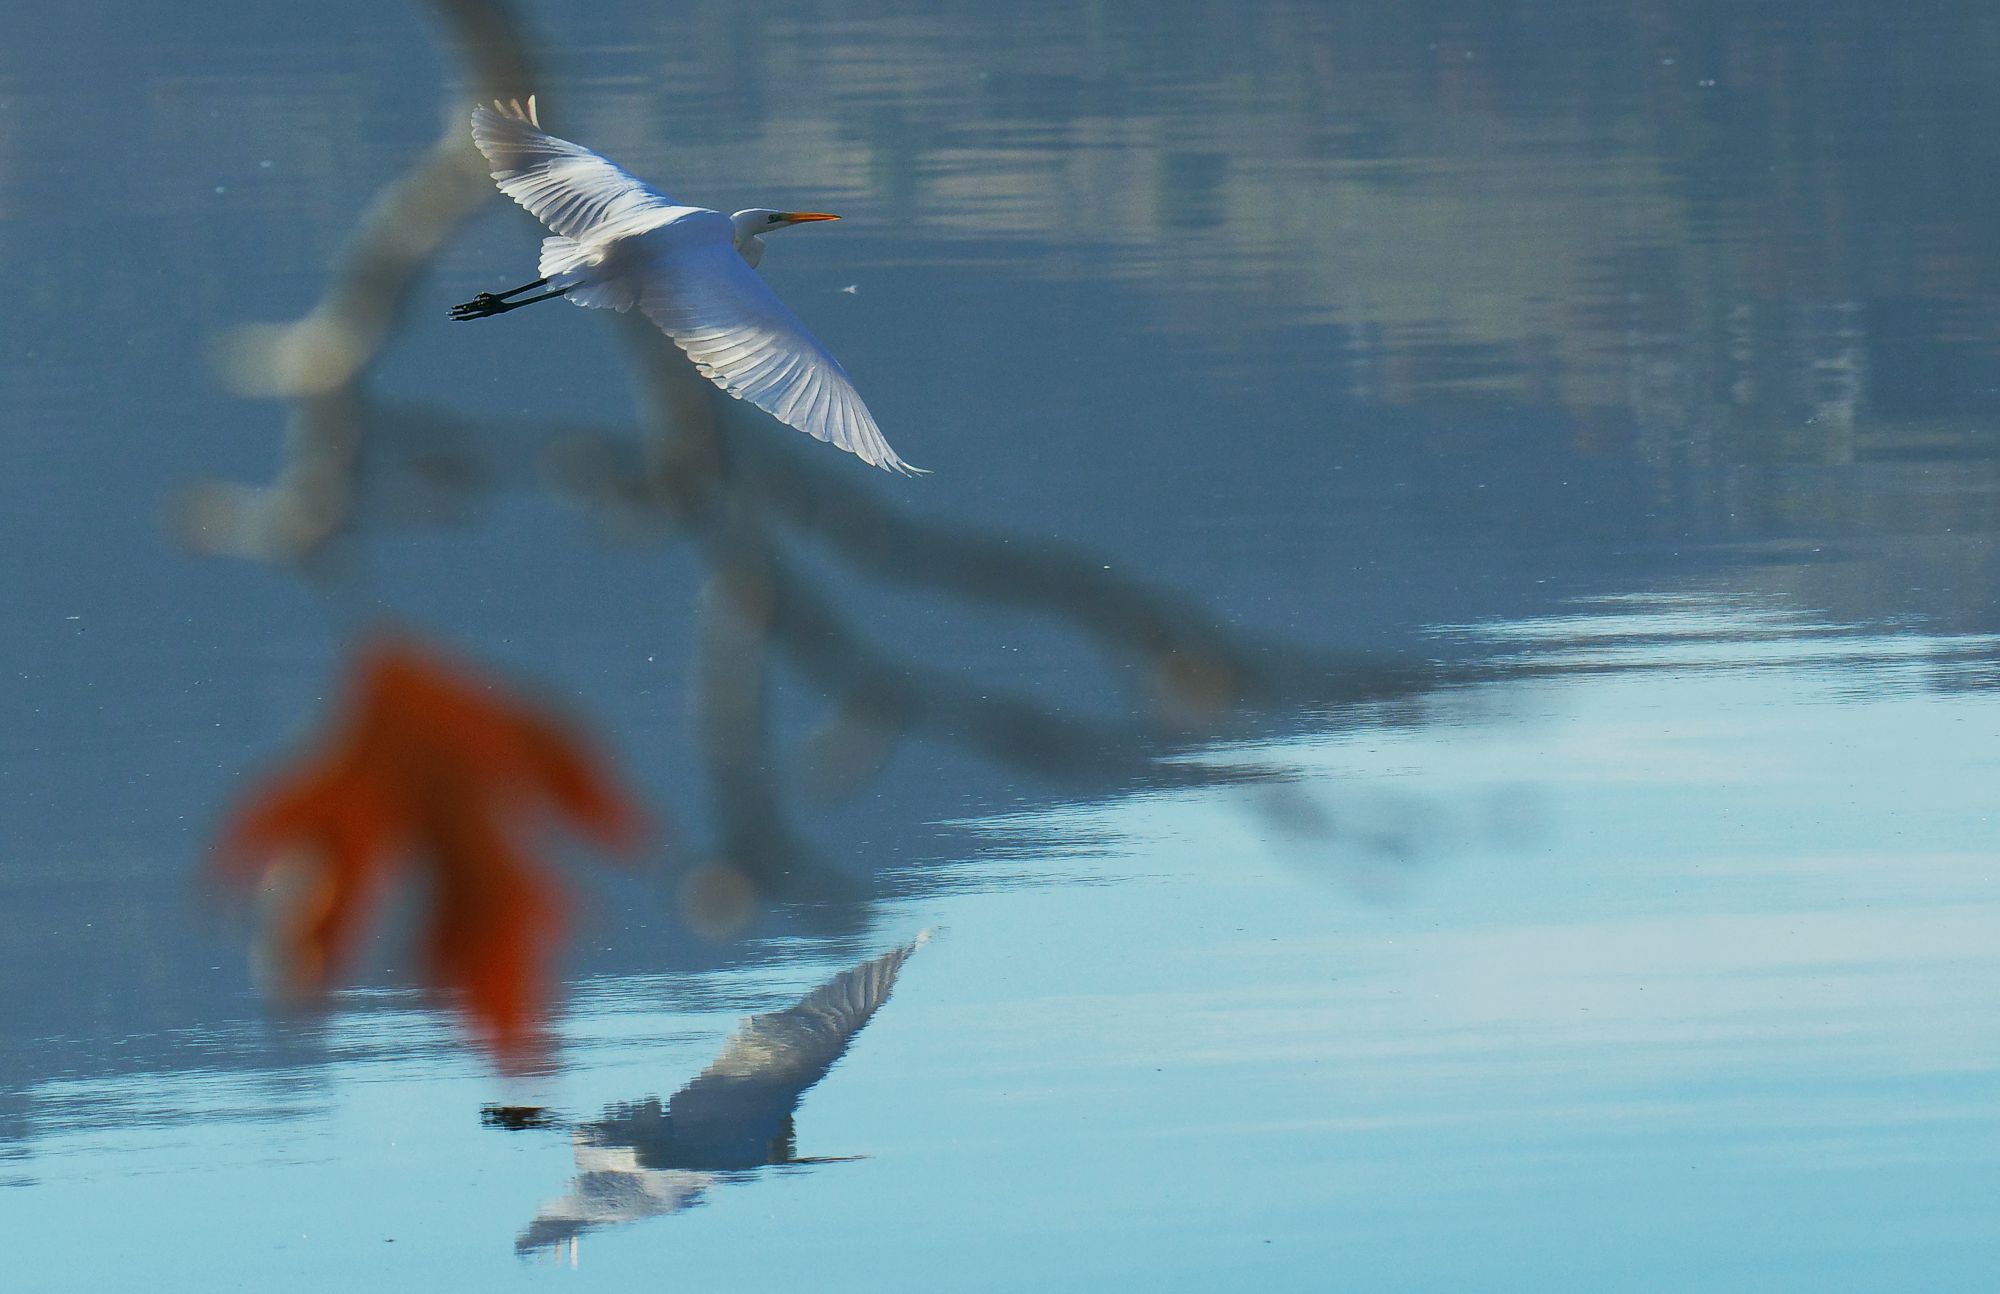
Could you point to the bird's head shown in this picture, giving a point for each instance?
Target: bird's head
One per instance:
(753, 224)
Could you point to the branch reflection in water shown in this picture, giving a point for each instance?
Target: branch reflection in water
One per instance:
(357, 463)
(644, 1159)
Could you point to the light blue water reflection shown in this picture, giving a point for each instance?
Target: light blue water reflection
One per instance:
(1635, 369)
(1710, 1009)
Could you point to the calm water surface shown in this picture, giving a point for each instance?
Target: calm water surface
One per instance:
(1634, 374)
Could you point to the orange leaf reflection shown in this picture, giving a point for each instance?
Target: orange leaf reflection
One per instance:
(431, 766)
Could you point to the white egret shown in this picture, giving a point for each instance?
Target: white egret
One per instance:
(619, 243)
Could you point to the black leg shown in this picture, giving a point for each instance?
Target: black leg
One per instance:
(488, 303)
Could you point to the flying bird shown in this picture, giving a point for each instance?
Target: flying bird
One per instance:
(619, 243)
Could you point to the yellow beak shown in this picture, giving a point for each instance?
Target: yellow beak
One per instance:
(800, 217)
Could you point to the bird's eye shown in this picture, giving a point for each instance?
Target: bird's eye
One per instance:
(776, 217)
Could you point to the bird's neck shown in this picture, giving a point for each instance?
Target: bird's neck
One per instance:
(747, 243)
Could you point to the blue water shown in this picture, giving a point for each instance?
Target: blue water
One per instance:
(1589, 420)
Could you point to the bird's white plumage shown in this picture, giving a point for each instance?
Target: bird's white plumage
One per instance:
(621, 243)
(565, 186)
(743, 338)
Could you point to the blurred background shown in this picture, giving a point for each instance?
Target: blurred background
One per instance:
(1439, 695)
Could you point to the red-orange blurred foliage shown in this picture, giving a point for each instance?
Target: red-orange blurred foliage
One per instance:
(429, 766)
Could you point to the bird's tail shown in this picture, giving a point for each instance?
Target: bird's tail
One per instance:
(560, 255)
(566, 264)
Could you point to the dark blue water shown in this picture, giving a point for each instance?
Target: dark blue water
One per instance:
(1437, 698)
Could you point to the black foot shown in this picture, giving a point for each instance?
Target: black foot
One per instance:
(487, 303)
(481, 306)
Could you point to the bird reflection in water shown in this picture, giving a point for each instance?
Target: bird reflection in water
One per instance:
(645, 1159)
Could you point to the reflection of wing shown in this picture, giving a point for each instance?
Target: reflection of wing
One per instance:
(565, 186)
(643, 1159)
(704, 295)
(786, 1052)
(610, 1188)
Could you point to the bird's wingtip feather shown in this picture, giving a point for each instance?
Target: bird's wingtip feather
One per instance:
(510, 110)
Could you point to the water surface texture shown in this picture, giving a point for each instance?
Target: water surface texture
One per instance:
(1431, 730)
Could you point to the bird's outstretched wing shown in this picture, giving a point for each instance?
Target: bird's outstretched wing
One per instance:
(565, 186)
(779, 1055)
(705, 296)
